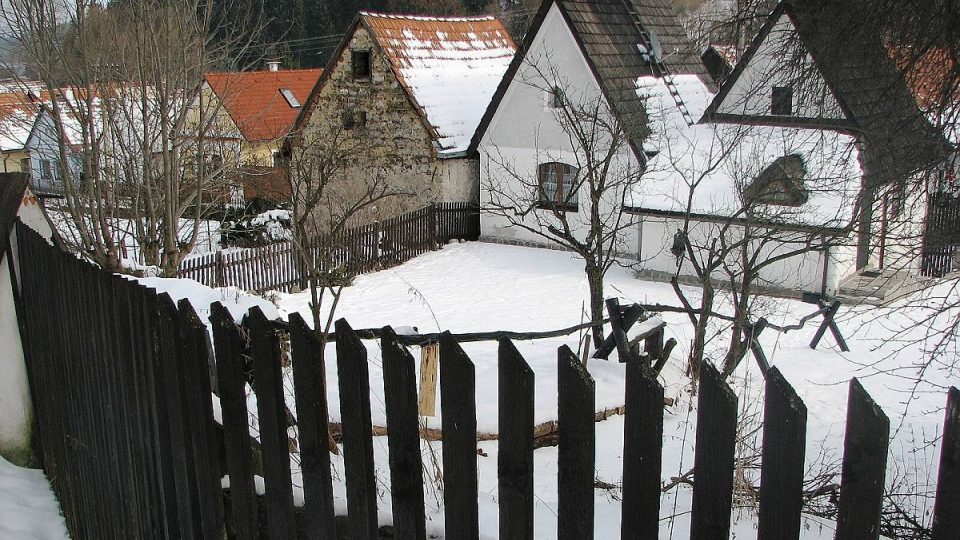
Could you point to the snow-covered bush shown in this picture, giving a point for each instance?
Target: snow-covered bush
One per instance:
(267, 227)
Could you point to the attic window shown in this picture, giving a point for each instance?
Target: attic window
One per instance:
(555, 98)
(360, 64)
(780, 184)
(781, 101)
(291, 99)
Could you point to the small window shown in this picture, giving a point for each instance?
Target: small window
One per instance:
(353, 119)
(555, 98)
(46, 169)
(291, 99)
(25, 165)
(781, 101)
(780, 184)
(360, 64)
(557, 186)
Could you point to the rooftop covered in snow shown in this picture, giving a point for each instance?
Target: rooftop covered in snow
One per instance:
(450, 68)
(713, 169)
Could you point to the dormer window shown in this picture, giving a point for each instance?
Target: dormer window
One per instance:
(360, 65)
(781, 101)
(780, 184)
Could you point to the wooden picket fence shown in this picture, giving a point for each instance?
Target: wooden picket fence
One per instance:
(121, 385)
(941, 236)
(358, 250)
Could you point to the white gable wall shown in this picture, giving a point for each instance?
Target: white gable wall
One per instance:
(524, 131)
(772, 65)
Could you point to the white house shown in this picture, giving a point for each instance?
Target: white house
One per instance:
(16, 201)
(28, 140)
(792, 188)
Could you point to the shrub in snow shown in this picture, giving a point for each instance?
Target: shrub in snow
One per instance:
(261, 229)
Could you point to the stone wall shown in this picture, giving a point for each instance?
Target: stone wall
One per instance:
(388, 139)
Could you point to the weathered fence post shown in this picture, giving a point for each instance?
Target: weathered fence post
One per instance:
(403, 438)
(515, 456)
(459, 421)
(354, 383)
(864, 467)
(271, 409)
(576, 449)
(434, 224)
(714, 457)
(312, 417)
(781, 473)
(220, 270)
(946, 509)
(233, 403)
(642, 454)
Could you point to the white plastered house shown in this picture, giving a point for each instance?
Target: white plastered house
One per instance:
(601, 51)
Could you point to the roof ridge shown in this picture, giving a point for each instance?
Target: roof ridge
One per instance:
(427, 17)
(258, 71)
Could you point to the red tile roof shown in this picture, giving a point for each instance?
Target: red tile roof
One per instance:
(254, 101)
(931, 76)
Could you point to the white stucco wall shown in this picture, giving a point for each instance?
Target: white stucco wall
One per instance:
(15, 406)
(525, 131)
(778, 62)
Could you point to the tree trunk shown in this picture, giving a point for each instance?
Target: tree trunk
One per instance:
(700, 332)
(595, 281)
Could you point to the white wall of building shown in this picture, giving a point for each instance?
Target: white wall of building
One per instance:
(772, 66)
(16, 410)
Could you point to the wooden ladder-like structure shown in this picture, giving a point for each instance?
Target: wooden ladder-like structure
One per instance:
(659, 65)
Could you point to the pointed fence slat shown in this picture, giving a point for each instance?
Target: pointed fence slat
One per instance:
(576, 448)
(459, 421)
(354, 382)
(311, 396)
(403, 438)
(236, 436)
(781, 473)
(642, 453)
(515, 451)
(268, 384)
(200, 415)
(714, 457)
(946, 510)
(864, 467)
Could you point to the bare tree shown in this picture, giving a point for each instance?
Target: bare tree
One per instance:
(139, 151)
(576, 198)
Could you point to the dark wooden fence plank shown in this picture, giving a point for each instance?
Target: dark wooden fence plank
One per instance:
(515, 451)
(233, 404)
(642, 453)
(271, 408)
(403, 438)
(354, 382)
(576, 452)
(781, 473)
(309, 380)
(458, 412)
(864, 467)
(199, 409)
(946, 510)
(714, 458)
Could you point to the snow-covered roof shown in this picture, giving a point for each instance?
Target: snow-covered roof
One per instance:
(721, 160)
(18, 114)
(450, 67)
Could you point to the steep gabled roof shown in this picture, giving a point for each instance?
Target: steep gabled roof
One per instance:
(449, 68)
(608, 38)
(18, 116)
(866, 83)
(255, 102)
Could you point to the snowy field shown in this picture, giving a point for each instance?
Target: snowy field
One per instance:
(482, 287)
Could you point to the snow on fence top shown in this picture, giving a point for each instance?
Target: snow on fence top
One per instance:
(450, 67)
(724, 161)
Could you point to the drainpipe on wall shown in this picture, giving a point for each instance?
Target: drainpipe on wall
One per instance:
(639, 238)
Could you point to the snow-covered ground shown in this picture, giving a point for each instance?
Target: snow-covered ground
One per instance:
(28, 508)
(481, 287)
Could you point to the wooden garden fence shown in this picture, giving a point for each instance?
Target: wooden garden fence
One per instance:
(941, 236)
(359, 249)
(127, 434)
